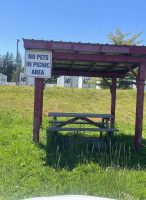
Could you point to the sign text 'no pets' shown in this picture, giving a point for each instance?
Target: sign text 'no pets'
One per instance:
(38, 64)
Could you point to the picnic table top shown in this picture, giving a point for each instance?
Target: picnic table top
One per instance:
(80, 115)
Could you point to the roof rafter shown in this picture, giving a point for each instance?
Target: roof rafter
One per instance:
(93, 66)
(73, 64)
(112, 67)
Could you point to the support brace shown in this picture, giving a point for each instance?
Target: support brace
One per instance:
(106, 82)
(133, 72)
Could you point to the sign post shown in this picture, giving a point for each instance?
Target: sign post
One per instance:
(38, 64)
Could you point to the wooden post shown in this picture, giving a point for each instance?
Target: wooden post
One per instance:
(113, 100)
(139, 106)
(37, 109)
(42, 89)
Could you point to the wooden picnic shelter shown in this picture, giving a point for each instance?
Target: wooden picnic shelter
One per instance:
(92, 60)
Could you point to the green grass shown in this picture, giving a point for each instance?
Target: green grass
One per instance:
(28, 169)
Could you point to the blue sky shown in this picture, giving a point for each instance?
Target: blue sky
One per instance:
(68, 20)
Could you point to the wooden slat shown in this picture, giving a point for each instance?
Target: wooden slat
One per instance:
(83, 129)
(80, 115)
(77, 122)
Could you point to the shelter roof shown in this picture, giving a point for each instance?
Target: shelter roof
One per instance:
(86, 59)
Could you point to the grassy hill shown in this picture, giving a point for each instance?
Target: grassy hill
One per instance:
(45, 169)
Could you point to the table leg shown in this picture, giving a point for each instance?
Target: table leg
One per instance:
(109, 134)
(55, 132)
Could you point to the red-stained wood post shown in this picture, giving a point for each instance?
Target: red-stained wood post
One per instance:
(113, 100)
(37, 108)
(139, 106)
(42, 89)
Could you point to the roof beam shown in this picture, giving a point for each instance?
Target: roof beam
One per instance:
(98, 58)
(72, 46)
(86, 73)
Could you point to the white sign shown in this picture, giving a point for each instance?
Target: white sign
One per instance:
(38, 64)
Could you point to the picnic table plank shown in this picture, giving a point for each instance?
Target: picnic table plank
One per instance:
(83, 129)
(90, 115)
(76, 122)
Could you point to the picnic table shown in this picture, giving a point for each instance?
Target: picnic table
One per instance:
(102, 125)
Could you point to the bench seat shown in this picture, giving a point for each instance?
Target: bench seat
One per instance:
(83, 129)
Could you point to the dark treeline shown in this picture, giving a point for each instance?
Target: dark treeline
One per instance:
(8, 66)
